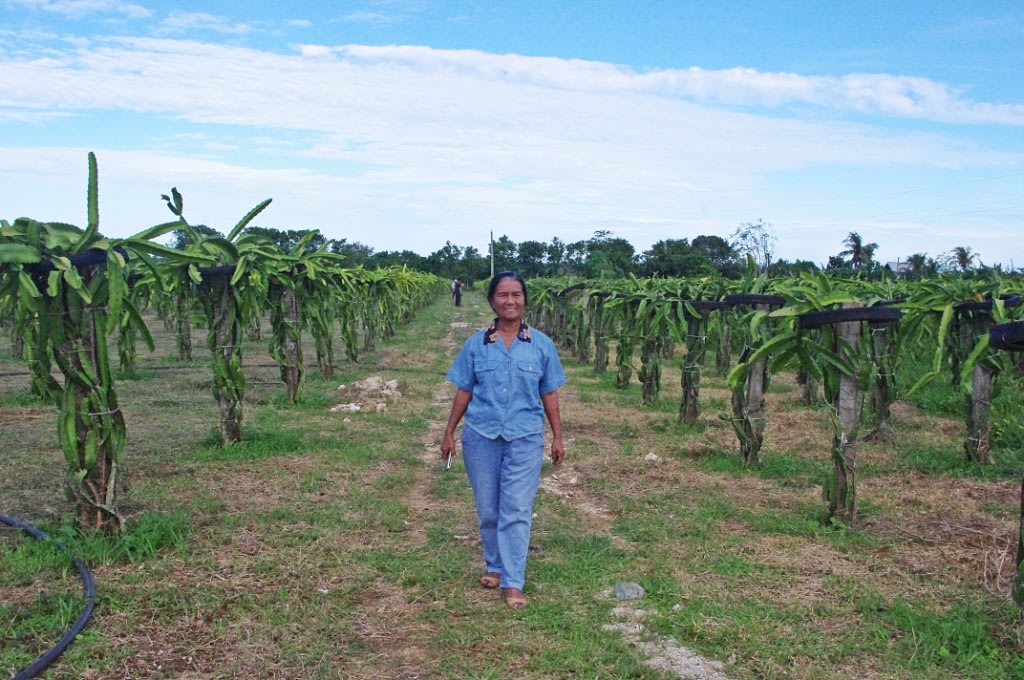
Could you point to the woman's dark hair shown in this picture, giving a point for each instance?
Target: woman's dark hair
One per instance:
(506, 275)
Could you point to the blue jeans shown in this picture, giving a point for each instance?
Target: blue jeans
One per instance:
(504, 476)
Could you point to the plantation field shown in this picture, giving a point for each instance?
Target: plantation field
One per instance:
(330, 542)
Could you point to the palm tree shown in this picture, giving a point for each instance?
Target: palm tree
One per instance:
(963, 257)
(916, 263)
(919, 265)
(861, 254)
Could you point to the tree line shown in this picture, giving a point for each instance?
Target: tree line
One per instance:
(606, 256)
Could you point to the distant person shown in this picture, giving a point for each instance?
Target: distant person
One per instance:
(507, 379)
(457, 292)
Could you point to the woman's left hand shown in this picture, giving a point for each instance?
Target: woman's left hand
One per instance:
(557, 451)
(551, 410)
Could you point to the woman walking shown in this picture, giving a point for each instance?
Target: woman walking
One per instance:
(507, 378)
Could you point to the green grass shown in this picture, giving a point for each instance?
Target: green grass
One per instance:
(328, 545)
(148, 535)
(45, 567)
(949, 460)
(21, 398)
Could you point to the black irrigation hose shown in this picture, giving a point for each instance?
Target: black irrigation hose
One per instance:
(1009, 300)
(754, 299)
(1008, 336)
(51, 655)
(86, 258)
(878, 314)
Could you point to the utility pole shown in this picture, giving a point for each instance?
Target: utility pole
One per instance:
(492, 253)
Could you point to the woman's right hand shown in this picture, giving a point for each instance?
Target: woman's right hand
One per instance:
(459, 405)
(447, 446)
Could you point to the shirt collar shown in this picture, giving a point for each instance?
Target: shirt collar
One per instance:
(523, 334)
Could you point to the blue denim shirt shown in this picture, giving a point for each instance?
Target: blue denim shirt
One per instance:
(506, 384)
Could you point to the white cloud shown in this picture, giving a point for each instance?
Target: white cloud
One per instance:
(315, 51)
(876, 94)
(29, 117)
(406, 147)
(76, 9)
(370, 18)
(140, 72)
(387, 12)
(178, 23)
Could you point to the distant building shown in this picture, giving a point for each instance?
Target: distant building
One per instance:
(898, 267)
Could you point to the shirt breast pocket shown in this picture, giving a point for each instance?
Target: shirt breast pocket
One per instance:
(528, 374)
(485, 372)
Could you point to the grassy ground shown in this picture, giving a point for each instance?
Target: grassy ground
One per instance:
(331, 543)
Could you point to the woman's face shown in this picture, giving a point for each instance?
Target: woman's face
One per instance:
(509, 300)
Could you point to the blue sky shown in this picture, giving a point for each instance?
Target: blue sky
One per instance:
(403, 124)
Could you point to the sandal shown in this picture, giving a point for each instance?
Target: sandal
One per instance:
(514, 597)
(490, 580)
